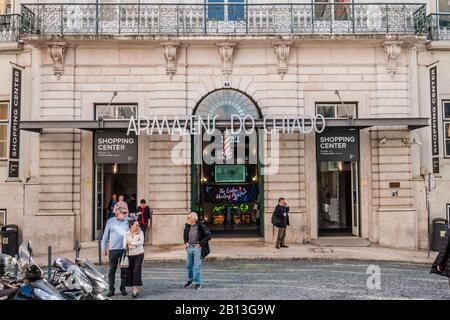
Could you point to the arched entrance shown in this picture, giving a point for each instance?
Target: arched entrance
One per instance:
(227, 188)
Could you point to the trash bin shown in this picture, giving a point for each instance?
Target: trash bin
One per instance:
(439, 228)
(10, 239)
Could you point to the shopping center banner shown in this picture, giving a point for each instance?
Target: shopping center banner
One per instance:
(230, 193)
(115, 147)
(434, 119)
(338, 145)
(14, 120)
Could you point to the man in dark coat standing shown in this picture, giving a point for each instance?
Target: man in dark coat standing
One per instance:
(441, 265)
(196, 237)
(280, 219)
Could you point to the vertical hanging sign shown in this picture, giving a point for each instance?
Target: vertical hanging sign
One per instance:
(434, 120)
(14, 121)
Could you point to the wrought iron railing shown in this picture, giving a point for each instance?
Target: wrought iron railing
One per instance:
(222, 19)
(9, 27)
(439, 26)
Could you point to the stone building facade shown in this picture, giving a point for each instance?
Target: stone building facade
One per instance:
(382, 74)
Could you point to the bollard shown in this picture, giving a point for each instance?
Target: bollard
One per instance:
(16, 266)
(100, 252)
(49, 265)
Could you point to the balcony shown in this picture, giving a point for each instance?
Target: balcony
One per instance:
(9, 28)
(219, 19)
(439, 26)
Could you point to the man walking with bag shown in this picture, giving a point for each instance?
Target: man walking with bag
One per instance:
(280, 219)
(115, 230)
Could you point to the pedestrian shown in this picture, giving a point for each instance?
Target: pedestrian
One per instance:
(280, 219)
(122, 204)
(112, 244)
(132, 205)
(143, 216)
(133, 241)
(111, 206)
(441, 265)
(196, 237)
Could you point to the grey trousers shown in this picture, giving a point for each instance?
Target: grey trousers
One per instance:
(281, 237)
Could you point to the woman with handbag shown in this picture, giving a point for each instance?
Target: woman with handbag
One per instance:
(133, 241)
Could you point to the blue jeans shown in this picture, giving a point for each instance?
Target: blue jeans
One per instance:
(194, 264)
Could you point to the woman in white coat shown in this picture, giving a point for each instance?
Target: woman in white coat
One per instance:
(134, 242)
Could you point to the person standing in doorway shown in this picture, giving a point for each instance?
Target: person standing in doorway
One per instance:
(112, 244)
(196, 237)
(121, 203)
(144, 217)
(441, 265)
(111, 205)
(134, 242)
(256, 214)
(280, 219)
(132, 205)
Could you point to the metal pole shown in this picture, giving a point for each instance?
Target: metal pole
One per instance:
(100, 252)
(49, 262)
(428, 213)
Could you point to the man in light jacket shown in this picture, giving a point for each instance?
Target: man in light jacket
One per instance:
(115, 230)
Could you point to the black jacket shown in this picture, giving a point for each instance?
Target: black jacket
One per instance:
(443, 258)
(204, 235)
(147, 214)
(280, 220)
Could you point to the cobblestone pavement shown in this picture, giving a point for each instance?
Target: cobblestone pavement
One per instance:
(291, 279)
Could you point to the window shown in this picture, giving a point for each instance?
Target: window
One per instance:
(115, 111)
(3, 130)
(443, 6)
(2, 217)
(446, 122)
(340, 10)
(232, 10)
(336, 110)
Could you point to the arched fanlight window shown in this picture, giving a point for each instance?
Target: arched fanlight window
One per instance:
(225, 102)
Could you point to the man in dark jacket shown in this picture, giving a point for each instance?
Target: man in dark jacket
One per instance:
(441, 265)
(280, 219)
(196, 237)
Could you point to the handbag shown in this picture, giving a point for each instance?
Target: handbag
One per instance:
(124, 261)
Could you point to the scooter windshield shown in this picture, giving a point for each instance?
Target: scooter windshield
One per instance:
(25, 258)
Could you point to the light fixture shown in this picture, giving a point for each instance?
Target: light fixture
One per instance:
(382, 140)
(115, 168)
(254, 178)
(204, 179)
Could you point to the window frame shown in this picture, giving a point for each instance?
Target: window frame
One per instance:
(223, 15)
(6, 123)
(4, 213)
(445, 121)
(334, 4)
(116, 104)
(438, 7)
(336, 105)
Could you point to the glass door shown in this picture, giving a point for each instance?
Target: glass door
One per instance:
(99, 205)
(355, 198)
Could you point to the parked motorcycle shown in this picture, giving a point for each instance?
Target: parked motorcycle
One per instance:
(31, 285)
(80, 280)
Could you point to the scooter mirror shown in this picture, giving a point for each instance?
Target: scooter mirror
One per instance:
(77, 249)
(29, 248)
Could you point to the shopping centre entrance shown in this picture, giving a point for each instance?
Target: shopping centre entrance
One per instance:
(226, 181)
(338, 182)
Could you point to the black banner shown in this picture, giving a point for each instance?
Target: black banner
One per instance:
(14, 121)
(338, 145)
(236, 193)
(434, 119)
(115, 147)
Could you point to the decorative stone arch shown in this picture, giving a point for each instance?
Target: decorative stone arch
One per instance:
(224, 102)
